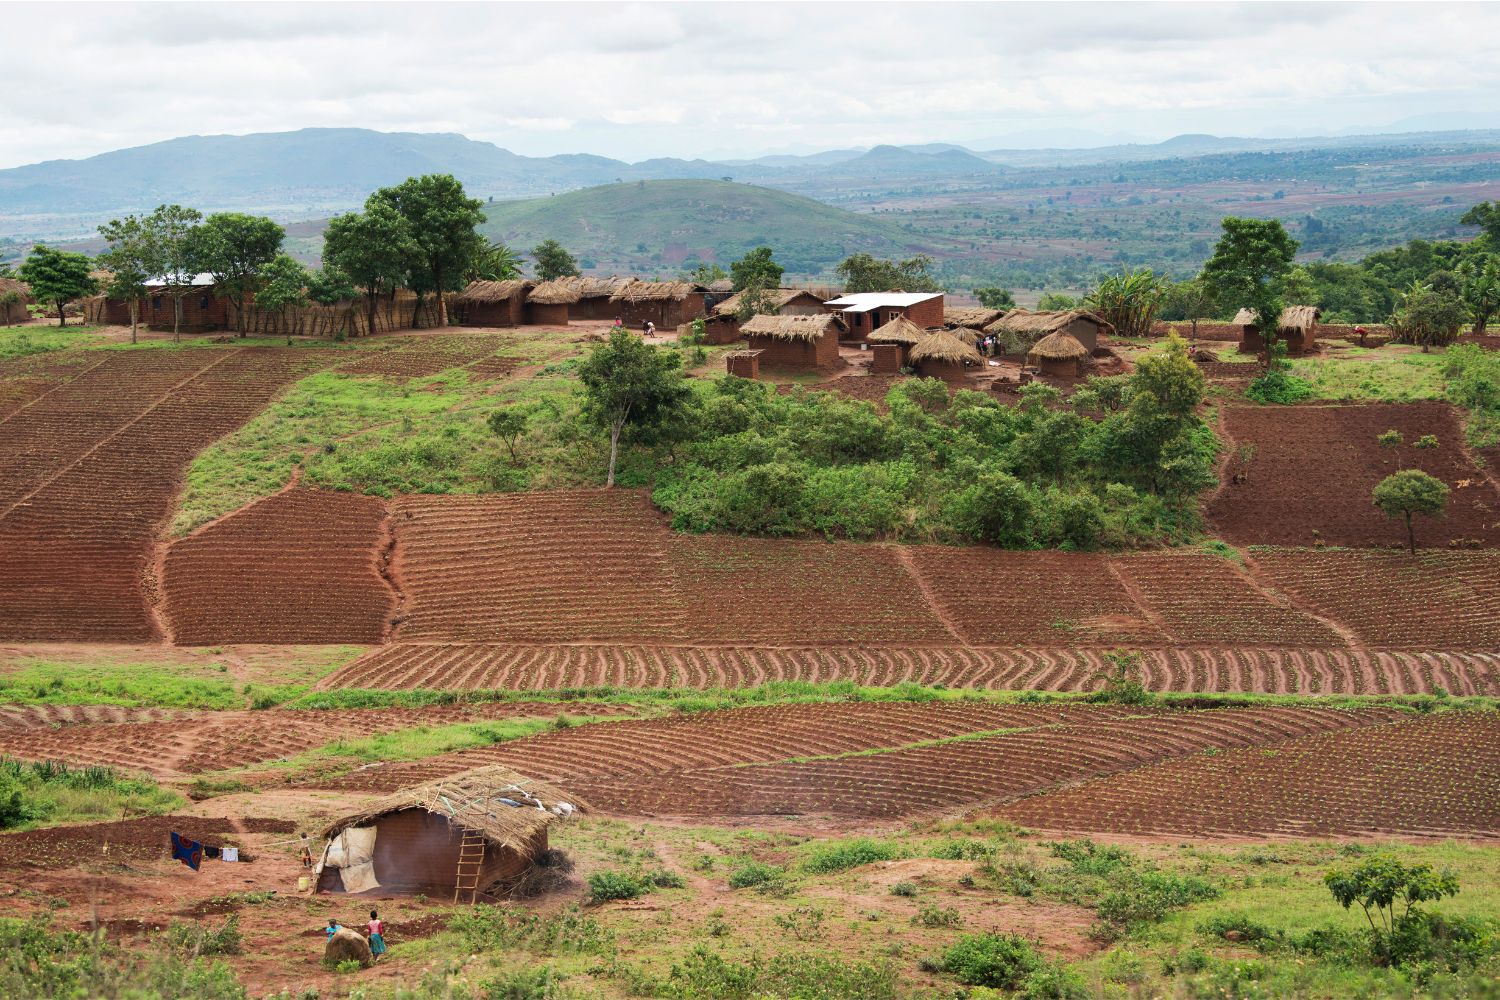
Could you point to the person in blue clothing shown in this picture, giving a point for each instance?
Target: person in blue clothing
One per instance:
(332, 928)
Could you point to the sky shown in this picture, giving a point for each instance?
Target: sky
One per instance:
(723, 80)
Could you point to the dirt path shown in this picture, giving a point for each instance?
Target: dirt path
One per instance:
(1138, 598)
(903, 556)
(1253, 575)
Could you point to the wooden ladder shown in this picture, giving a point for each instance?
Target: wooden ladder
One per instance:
(470, 864)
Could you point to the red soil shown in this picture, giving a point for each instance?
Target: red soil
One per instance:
(313, 562)
(89, 472)
(132, 839)
(420, 357)
(32, 717)
(1433, 776)
(1311, 469)
(1187, 669)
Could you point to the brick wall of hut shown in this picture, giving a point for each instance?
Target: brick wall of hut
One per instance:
(503, 312)
(667, 314)
(777, 352)
(887, 359)
(547, 313)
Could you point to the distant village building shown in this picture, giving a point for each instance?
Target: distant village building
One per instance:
(493, 303)
(202, 310)
(723, 324)
(548, 303)
(1059, 354)
(866, 312)
(15, 296)
(667, 304)
(795, 341)
(892, 345)
(745, 364)
(944, 354)
(1026, 327)
(1298, 329)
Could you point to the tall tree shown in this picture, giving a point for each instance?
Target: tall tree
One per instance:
(864, 273)
(995, 298)
(1428, 317)
(1479, 286)
(552, 261)
(372, 247)
(173, 229)
(627, 382)
(283, 286)
(234, 247)
(1485, 215)
(756, 269)
(328, 286)
(1408, 492)
(443, 223)
(1249, 268)
(58, 277)
(133, 258)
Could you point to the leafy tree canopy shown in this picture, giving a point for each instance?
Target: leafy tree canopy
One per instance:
(58, 277)
(552, 261)
(995, 298)
(442, 223)
(1408, 492)
(496, 262)
(371, 247)
(756, 269)
(233, 247)
(1249, 268)
(627, 382)
(864, 273)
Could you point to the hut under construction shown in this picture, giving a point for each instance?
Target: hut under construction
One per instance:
(1297, 328)
(1058, 354)
(668, 304)
(473, 834)
(941, 354)
(493, 303)
(892, 344)
(548, 303)
(1023, 328)
(794, 341)
(15, 296)
(972, 317)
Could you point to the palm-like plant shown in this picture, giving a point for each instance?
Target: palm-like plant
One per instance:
(1129, 301)
(496, 262)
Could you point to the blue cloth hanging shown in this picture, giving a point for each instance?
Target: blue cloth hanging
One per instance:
(189, 852)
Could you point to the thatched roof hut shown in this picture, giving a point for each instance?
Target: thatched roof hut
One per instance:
(943, 354)
(973, 317)
(777, 300)
(1297, 328)
(1022, 327)
(558, 291)
(492, 291)
(667, 304)
(492, 303)
(15, 295)
(1058, 354)
(655, 291)
(466, 833)
(794, 341)
(898, 331)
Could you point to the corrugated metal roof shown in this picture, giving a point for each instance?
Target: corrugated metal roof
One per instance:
(198, 281)
(865, 301)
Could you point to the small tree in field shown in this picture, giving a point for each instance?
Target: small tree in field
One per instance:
(627, 382)
(508, 425)
(1249, 269)
(58, 277)
(1408, 492)
(1381, 884)
(553, 261)
(133, 258)
(756, 269)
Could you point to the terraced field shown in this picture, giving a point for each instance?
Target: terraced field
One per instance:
(88, 473)
(304, 566)
(1188, 669)
(426, 355)
(1436, 776)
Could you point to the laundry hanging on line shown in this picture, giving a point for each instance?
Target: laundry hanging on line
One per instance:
(189, 852)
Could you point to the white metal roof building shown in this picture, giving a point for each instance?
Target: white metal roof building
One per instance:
(865, 301)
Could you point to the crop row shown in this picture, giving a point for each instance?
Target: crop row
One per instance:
(419, 357)
(1433, 776)
(1265, 671)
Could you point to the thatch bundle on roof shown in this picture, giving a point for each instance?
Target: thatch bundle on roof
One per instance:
(557, 292)
(654, 291)
(806, 328)
(1294, 319)
(943, 346)
(492, 291)
(1039, 324)
(770, 298)
(506, 808)
(972, 317)
(1057, 347)
(898, 331)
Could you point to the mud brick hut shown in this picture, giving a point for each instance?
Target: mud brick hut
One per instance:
(971, 317)
(473, 834)
(1058, 354)
(1297, 328)
(493, 303)
(549, 302)
(668, 304)
(15, 296)
(1022, 327)
(892, 345)
(723, 320)
(866, 312)
(795, 341)
(942, 354)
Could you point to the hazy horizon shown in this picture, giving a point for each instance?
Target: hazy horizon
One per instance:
(638, 81)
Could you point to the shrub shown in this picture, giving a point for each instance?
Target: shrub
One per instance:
(540, 983)
(707, 975)
(805, 923)
(607, 885)
(1054, 982)
(936, 916)
(1236, 927)
(1426, 441)
(199, 939)
(753, 873)
(1389, 439)
(1146, 897)
(838, 856)
(999, 960)
(1277, 387)
(907, 890)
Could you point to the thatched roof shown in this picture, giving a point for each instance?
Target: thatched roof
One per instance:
(557, 292)
(898, 331)
(472, 799)
(8, 285)
(484, 292)
(789, 327)
(1057, 347)
(973, 317)
(941, 345)
(1294, 319)
(721, 286)
(589, 287)
(655, 291)
(1039, 324)
(774, 298)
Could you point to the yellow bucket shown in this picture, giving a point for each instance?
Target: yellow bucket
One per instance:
(304, 883)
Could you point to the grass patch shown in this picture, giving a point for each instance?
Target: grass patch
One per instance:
(1374, 377)
(831, 856)
(24, 341)
(36, 794)
(427, 741)
(128, 685)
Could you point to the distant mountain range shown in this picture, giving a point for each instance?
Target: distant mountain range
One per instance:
(314, 172)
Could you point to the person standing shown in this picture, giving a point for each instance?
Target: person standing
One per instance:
(376, 927)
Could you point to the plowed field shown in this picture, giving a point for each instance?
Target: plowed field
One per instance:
(302, 566)
(1202, 669)
(215, 741)
(1433, 776)
(27, 717)
(88, 473)
(571, 565)
(421, 356)
(129, 840)
(1435, 600)
(1310, 471)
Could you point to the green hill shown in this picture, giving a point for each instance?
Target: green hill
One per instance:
(655, 227)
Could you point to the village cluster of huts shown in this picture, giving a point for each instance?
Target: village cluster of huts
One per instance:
(666, 304)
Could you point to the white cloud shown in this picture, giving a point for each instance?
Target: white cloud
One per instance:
(641, 80)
